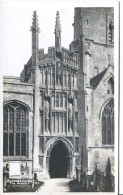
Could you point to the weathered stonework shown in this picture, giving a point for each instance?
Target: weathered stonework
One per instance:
(65, 92)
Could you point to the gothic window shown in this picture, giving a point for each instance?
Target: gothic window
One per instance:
(108, 124)
(95, 71)
(15, 134)
(111, 84)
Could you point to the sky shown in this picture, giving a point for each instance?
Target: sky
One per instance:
(15, 34)
(15, 23)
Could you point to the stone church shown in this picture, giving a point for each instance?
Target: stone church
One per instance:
(60, 112)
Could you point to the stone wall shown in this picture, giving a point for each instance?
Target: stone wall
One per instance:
(94, 23)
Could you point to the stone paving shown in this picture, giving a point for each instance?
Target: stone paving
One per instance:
(55, 185)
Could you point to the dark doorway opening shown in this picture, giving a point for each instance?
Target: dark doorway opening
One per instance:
(58, 162)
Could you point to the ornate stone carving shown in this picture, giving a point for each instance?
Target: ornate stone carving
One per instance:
(70, 115)
(47, 115)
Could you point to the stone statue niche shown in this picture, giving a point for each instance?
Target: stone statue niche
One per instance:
(47, 111)
(70, 116)
(58, 70)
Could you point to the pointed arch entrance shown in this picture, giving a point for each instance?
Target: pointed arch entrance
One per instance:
(58, 161)
(59, 158)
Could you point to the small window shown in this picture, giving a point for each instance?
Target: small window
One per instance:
(87, 108)
(95, 71)
(86, 22)
(108, 91)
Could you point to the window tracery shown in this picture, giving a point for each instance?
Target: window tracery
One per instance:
(14, 131)
(108, 123)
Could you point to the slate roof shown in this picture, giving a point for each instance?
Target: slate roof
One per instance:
(96, 80)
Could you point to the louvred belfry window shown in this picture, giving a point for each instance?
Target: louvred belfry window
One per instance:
(15, 130)
(108, 123)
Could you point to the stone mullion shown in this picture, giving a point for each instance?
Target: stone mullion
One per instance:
(20, 142)
(106, 129)
(58, 122)
(111, 128)
(14, 132)
(54, 122)
(8, 129)
(20, 128)
(27, 137)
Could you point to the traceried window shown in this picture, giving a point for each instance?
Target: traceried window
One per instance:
(108, 124)
(15, 130)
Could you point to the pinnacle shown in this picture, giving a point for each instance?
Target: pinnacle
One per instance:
(35, 25)
(58, 25)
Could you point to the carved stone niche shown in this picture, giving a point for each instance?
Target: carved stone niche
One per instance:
(41, 145)
(70, 114)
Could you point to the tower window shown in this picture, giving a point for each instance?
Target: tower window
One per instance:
(108, 91)
(86, 22)
(95, 71)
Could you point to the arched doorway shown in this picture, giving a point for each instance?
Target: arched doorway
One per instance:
(58, 162)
